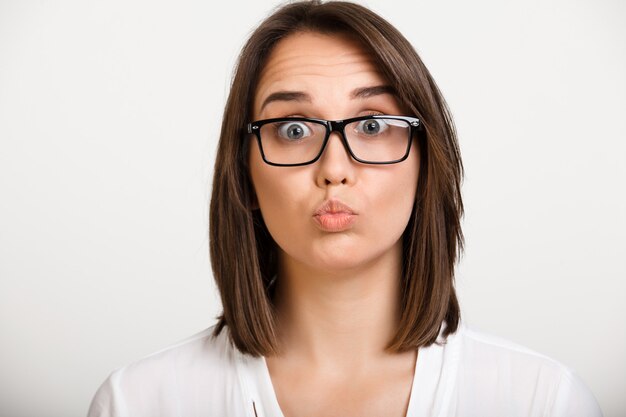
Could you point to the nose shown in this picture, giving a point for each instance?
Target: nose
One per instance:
(335, 165)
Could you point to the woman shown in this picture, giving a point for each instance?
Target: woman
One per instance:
(335, 228)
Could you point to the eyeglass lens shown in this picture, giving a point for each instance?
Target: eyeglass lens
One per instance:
(371, 140)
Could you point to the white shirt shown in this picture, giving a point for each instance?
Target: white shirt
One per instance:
(472, 375)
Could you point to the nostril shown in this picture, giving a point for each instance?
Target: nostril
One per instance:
(328, 182)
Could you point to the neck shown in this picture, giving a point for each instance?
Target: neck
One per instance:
(338, 318)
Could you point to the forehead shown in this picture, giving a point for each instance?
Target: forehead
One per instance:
(318, 64)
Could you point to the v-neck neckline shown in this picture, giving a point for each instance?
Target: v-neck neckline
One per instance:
(434, 377)
(268, 393)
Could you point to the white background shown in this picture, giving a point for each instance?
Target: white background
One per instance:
(109, 115)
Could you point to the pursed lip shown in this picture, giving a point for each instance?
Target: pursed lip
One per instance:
(333, 206)
(334, 216)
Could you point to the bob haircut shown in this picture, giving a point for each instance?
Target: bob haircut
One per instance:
(243, 254)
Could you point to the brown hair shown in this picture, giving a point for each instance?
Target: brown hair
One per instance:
(243, 254)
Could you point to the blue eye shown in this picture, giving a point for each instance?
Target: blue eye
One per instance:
(294, 130)
(372, 127)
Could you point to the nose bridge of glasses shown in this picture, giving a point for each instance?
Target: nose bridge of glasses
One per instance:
(337, 126)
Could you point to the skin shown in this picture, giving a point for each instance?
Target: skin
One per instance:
(337, 292)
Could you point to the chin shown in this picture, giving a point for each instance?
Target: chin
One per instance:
(340, 254)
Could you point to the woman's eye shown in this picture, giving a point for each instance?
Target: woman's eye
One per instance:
(294, 130)
(372, 127)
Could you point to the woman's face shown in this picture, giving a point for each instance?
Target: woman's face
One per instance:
(327, 69)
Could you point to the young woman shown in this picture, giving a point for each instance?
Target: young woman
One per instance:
(334, 232)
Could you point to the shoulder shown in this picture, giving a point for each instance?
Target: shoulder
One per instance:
(202, 364)
(521, 377)
(488, 348)
(190, 356)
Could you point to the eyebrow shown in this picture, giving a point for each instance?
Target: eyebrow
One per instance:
(372, 91)
(358, 93)
(286, 96)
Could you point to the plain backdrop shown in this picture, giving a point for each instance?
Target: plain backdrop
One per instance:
(109, 116)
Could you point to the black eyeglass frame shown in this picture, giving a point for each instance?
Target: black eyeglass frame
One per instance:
(335, 126)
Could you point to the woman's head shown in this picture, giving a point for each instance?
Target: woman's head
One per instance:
(327, 53)
(369, 205)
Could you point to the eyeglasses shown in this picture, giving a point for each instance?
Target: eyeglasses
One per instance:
(374, 139)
